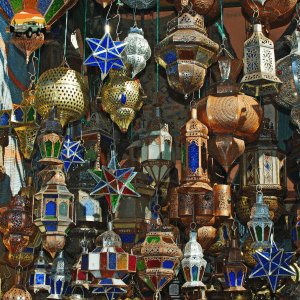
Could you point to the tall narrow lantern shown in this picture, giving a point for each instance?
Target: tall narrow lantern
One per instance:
(259, 64)
(194, 136)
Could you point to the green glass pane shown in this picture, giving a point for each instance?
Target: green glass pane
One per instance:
(67, 230)
(48, 145)
(30, 115)
(154, 239)
(150, 284)
(183, 158)
(56, 149)
(258, 230)
(56, 5)
(140, 265)
(114, 200)
(298, 230)
(63, 209)
(42, 150)
(17, 5)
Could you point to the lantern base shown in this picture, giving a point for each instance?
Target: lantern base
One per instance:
(261, 86)
(49, 161)
(193, 284)
(261, 245)
(236, 289)
(194, 187)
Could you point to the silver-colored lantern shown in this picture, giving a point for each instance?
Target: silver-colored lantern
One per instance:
(140, 4)
(260, 224)
(60, 277)
(137, 51)
(259, 65)
(39, 279)
(193, 264)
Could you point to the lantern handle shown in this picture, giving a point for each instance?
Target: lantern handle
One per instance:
(193, 226)
(255, 10)
(7, 277)
(258, 189)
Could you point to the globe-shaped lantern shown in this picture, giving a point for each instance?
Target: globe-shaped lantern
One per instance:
(156, 155)
(137, 51)
(67, 90)
(193, 264)
(122, 96)
(186, 53)
(60, 277)
(40, 274)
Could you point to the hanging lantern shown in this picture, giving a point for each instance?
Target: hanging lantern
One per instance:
(157, 148)
(16, 224)
(18, 291)
(286, 69)
(186, 53)
(65, 89)
(260, 225)
(54, 205)
(248, 252)
(122, 97)
(39, 279)
(259, 64)
(104, 3)
(193, 264)
(235, 270)
(137, 51)
(207, 236)
(193, 136)
(157, 258)
(222, 201)
(60, 277)
(174, 205)
(50, 140)
(140, 4)
(228, 114)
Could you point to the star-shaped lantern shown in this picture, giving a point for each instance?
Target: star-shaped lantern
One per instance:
(106, 53)
(71, 153)
(272, 265)
(114, 182)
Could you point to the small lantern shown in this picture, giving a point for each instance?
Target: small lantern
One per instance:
(259, 64)
(50, 140)
(260, 225)
(296, 230)
(194, 136)
(186, 53)
(157, 148)
(222, 201)
(193, 264)
(39, 279)
(60, 277)
(235, 270)
(55, 209)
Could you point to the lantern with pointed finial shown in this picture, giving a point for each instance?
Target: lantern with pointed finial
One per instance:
(259, 64)
(186, 53)
(157, 148)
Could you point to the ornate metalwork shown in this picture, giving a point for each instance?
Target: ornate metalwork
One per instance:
(122, 96)
(186, 53)
(259, 65)
(137, 51)
(248, 252)
(67, 90)
(222, 200)
(207, 236)
(140, 4)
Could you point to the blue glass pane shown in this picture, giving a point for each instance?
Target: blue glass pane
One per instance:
(31, 279)
(66, 284)
(162, 282)
(84, 262)
(102, 66)
(19, 114)
(127, 238)
(109, 65)
(195, 273)
(232, 278)
(52, 286)
(39, 278)
(98, 290)
(93, 43)
(58, 286)
(250, 168)
(110, 43)
(91, 60)
(112, 265)
(168, 264)
(170, 57)
(51, 227)
(225, 233)
(239, 278)
(111, 56)
(172, 70)
(193, 151)
(123, 99)
(294, 235)
(89, 208)
(50, 209)
(121, 172)
(113, 50)
(5, 119)
(111, 190)
(106, 281)
(274, 281)
(48, 279)
(104, 41)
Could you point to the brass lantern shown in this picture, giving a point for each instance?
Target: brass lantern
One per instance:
(186, 53)
(259, 65)
(50, 140)
(122, 96)
(54, 204)
(157, 149)
(194, 136)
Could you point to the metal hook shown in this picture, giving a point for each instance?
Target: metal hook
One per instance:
(107, 19)
(7, 277)
(256, 10)
(118, 15)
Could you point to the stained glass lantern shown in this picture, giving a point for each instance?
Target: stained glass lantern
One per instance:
(186, 53)
(55, 206)
(193, 264)
(140, 4)
(16, 224)
(158, 257)
(156, 155)
(259, 65)
(5, 118)
(39, 279)
(296, 230)
(108, 263)
(50, 140)
(137, 51)
(235, 270)
(194, 155)
(260, 225)
(60, 277)
(18, 291)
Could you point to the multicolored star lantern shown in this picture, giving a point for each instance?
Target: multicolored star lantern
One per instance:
(272, 265)
(114, 182)
(71, 153)
(106, 53)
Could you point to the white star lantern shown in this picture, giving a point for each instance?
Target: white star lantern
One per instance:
(106, 53)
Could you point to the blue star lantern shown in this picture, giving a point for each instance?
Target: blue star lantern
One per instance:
(71, 153)
(272, 265)
(106, 53)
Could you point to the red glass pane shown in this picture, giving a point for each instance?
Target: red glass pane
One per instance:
(74, 274)
(266, 233)
(127, 191)
(81, 275)
(109, 176)
(103, 261)
(153, 264)
(132, 263)
(187, 273)
(108, 274)
(154, 281)
(119, 250)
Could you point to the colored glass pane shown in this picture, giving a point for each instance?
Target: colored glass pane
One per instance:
(122, 261)
(42, 150)
(30, 114)
(298, 230)
(266, 233)
(153, 239)
(19, 114)
(226, 278)
(225, 232)
(58, 286)
(258, 231)
(294, 235)
(48, 146)
(170, 57)
(132, 263)
(39, 278)
(88, 208)
(81, 275)
(103, 261)
(56, 149)
(153, 279)
(168, 264)
(195, 273)
(168, 240)
(17, 5)
(127, 238)
(153, 263)
(187, 273)
(63, 209)
(240, 276)
(140, 265)
(183, 157)
(50, 209)
(162, 282)
(232, 278)
(31, 279)
(193, 156)
(112, 262)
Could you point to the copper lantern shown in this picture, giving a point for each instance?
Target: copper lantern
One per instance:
(186, 53)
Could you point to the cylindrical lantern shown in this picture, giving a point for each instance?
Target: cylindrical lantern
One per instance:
(222, 200)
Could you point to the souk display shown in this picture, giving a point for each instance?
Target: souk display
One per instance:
(142, 158)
